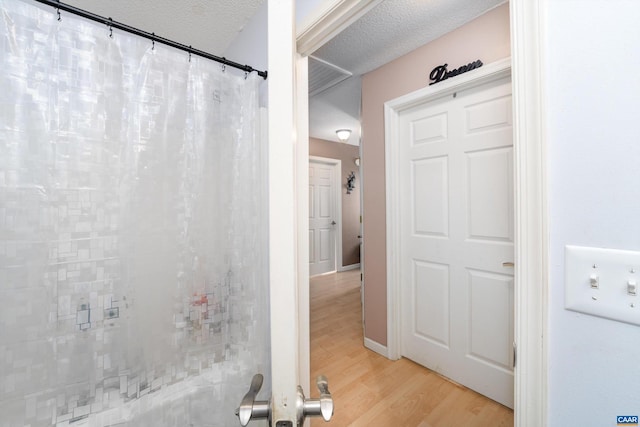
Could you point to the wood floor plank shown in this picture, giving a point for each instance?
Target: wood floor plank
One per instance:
(370, 390)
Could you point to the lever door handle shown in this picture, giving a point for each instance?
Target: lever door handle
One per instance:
(316, 407)
(326, 401)
(508, 264)
(250, 408)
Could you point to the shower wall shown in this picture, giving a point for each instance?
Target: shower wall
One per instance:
(133, 282)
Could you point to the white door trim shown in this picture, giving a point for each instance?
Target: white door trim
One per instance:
(282, 212)
(528, 34)
(531, 273)
(328, 20)
(302, 216)
(337, 203)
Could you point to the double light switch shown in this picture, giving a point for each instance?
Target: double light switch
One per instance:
(603, 282)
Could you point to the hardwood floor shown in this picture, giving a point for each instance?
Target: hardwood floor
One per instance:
(370, 390)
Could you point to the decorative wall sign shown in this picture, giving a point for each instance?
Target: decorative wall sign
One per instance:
(441, 73)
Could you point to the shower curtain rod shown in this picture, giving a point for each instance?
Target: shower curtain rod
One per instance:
(110, 23)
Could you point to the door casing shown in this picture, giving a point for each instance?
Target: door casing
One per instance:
(286, 324)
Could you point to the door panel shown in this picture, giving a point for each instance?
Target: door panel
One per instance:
(431, 301)
(487, 114)
(491, 297)
(457, 230)
(325, 245)
(490, 194)
(430, 187)
(429, 129)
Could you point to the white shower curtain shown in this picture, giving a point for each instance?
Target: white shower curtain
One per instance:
(133, 283)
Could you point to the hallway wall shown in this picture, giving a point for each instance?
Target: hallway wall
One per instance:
(594, 198)
(350, 202)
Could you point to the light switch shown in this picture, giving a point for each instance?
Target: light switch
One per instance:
(603, 282)
(632, 287)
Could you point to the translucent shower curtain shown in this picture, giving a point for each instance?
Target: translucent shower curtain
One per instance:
(133, 283)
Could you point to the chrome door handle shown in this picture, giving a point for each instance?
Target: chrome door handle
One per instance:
(326, 401)
(316, 407)
(250, 409)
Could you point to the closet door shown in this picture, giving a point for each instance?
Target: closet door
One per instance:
(456, 164)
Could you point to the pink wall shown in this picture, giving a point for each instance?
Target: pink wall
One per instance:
(485, 38)
(350, 202)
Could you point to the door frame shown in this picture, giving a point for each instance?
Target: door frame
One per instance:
(287, 345)
(392, 111)
(528, 25)
(337, 204)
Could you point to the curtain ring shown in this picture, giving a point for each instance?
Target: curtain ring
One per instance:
(110, 25)
(224, 66)
(189, 53)
(246, 74)
(153, 41)
(59, 17)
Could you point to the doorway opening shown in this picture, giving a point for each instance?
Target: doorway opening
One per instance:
(525, 24)
(325, 215)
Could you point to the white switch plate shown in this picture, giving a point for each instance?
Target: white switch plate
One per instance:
(614, 269)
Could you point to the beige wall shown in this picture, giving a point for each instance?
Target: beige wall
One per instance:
(350, 202)
(486, 38)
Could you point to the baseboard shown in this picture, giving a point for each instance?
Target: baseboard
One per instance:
(350, 267)
(377, 347)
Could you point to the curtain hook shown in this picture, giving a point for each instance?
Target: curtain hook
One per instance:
(246, 74)
(110, 25)
(189, 53)
(58, 11)
(153, 41)
(224, 66)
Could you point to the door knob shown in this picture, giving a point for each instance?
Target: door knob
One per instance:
(250, 409)
(333, 223)
(316, 407)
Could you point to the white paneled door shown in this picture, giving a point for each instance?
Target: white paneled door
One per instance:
(323, 215)
(456, 237)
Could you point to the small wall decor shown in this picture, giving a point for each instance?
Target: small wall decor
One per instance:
(441, 73)
(351, 179)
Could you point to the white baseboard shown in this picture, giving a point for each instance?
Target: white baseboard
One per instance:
(350, 267)
(377, 347)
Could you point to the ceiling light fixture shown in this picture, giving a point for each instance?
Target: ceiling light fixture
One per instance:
(343, 134)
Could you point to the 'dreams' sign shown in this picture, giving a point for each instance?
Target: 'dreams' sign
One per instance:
(441, 73)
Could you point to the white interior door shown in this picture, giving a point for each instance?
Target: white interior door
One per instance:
(323, 215)
(456, 232)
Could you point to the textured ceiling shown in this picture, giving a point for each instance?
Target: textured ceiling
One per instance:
(396, 27)
(208, 25)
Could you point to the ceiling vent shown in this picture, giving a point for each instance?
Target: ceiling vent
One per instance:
(323, 75)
